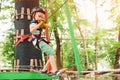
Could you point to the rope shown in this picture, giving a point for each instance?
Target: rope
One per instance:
(58, 8)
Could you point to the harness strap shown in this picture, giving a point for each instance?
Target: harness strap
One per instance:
(22, 38)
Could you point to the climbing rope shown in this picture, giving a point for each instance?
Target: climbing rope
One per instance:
(58, 8)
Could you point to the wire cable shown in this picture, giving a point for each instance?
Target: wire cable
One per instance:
(58, 8)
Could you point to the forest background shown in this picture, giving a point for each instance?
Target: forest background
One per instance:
(96, 26)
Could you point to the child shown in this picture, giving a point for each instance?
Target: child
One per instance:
(36, 26)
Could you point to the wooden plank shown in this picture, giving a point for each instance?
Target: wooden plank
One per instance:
(97, 72)
(22, 12)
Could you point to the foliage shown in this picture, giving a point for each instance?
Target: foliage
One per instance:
(7, 9)
(68, 55)
(108, 45)
(111, 49)
(6, 17)
(8, 47)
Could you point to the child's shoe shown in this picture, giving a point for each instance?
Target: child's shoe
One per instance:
(56, 73)
(44, 72)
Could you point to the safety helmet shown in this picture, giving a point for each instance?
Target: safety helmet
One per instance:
(37, 9)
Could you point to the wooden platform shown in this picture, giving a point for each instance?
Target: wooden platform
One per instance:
(98, 73)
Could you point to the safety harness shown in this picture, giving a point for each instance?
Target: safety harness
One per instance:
(21, 38)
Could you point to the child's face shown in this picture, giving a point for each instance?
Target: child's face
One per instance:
(39, 16)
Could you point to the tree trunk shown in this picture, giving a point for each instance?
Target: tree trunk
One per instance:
(85, 48)
(58, 57)
(96, 39)
(117, 58)
(25, 50)
(116, 64)
(54, 19)
(119, 35)
(58, 49)
(84, 42)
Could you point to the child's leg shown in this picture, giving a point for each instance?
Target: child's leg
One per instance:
(46, 65)
(49, 51)
(53, 63)
(49, 68)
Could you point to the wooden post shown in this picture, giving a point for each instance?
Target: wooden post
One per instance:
(31, 64)
(16, 65)
(25, 50)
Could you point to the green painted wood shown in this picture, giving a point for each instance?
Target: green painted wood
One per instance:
(26, 76)
(77, 60)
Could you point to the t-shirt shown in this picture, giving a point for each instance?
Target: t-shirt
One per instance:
(32, 24)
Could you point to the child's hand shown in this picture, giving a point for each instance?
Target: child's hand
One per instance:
(42, 24)
(45, 25)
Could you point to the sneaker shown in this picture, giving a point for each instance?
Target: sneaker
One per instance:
(56, 73)
(44, 72)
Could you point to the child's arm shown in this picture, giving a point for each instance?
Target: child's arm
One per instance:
(39, 25)
(34, 28)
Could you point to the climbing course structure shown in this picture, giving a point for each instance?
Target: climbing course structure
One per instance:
(25, 53)
(28, 59)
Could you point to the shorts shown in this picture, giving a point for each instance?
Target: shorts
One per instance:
(46, 48)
